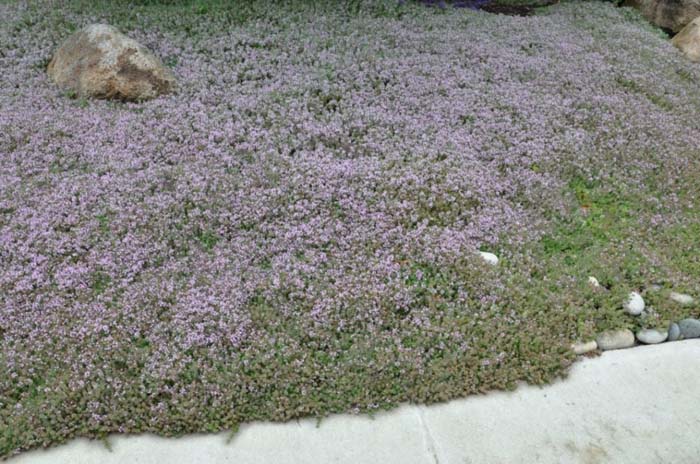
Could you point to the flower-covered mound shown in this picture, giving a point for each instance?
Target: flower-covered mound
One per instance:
(296, 232)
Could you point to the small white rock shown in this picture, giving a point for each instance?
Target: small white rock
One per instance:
(681, 298)
(593, 281)
(634, 304)
(652, 336)
(489, 257)
(584, 347)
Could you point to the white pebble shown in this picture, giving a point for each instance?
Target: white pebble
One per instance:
(681, 298)
(489, 257)
(593, 281)
(634, 304)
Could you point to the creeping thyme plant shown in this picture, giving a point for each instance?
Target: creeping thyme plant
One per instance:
(296, 231)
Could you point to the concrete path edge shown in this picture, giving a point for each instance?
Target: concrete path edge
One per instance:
(637, 405)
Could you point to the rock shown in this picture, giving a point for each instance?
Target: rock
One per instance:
(489, 257)
(634, 304)
(689, 328)
(100, 62)
(583, 348)
(593, 282)
(668, 14)
(681, 298)
(615, 339)
(686, 328)
(652, 336)
(688, 40)
(674, 332)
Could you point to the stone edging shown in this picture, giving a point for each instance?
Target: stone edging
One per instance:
(625, 338)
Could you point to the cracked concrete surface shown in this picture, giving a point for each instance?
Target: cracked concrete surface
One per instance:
(430, 443)
(638, 406)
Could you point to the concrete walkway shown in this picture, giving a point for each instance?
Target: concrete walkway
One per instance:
(640, 405)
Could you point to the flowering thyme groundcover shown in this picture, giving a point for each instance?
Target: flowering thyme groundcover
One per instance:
(295, 231)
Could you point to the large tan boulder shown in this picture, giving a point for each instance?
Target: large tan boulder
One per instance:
(99, 61)
(669, 14)
(688, 40)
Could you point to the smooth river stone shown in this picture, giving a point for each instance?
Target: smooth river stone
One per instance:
(489, 257)
(652, 336)
(674, 332)
(584, 347)
(615, 339)
(690, 328)
(634, 304)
